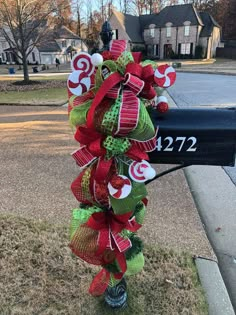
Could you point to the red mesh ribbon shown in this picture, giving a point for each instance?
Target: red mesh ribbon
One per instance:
(100, 283)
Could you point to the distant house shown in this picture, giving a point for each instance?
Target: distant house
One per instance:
(175, 31)
(59, 43)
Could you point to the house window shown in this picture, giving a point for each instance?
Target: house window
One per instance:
(3, 57)
(152, 32)
(168, 31)
(73, 43)
(185, 49)
(149, 49)
(33, 56)
(186, 30)
(115, 34)
(155, 50)
(63, 43)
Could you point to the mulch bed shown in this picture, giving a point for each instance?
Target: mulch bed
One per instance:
(6, 86)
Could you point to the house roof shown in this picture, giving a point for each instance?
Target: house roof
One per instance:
(64, 33)
(132, 26)
(209, 23)
(177, 15)
(50, 44)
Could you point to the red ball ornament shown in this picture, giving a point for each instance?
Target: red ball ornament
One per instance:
(162, 107)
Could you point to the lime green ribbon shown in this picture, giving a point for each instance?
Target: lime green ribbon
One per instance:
(115, 146)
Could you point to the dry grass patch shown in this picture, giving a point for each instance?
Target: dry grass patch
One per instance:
(38, 275)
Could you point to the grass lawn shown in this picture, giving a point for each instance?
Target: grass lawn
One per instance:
(57, 96)
(38, 275)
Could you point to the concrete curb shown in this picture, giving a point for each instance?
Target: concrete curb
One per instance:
(214, 287)
(209, 273)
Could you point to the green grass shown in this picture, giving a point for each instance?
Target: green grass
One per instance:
(55, 96)
(38, 275)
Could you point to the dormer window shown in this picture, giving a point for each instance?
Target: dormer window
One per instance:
(186, 30)
(168, 31)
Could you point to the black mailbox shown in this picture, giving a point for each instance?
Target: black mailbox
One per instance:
(195, 137)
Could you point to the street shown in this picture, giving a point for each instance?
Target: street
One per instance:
(195, 89)
(213, 192)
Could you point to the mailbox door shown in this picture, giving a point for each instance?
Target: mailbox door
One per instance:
(195, 137)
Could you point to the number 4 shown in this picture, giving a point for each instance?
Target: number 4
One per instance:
(159, 146)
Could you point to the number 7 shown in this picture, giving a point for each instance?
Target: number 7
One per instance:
(181, 139)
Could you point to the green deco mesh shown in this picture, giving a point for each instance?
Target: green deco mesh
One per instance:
(123, 60)
(110, 119)
(145, 129)
(139, 213)
(79, 113)
(81, 216)
(110, 65)
(135, 264)
(115, 146)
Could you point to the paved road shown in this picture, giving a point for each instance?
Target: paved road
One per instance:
(195, 89)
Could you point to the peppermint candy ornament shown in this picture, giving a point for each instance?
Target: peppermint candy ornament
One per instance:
(78, 82)
(165, 76)
(83, 62)
(119, 187)
(140, 172)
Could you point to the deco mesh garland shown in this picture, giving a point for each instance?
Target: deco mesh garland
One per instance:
(109, 97)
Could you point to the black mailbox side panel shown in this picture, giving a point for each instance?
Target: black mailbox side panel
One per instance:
(195, 137)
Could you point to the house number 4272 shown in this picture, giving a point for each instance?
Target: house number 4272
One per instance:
(168, 144)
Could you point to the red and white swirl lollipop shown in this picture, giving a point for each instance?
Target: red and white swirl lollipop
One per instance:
(140, 172)
(165, 76)
(78, 82)
(119, 187)
(82, 61)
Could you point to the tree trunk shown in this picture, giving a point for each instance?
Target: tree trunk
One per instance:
(25, 67)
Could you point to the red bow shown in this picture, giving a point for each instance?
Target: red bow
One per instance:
(93, 149)
(109, 226)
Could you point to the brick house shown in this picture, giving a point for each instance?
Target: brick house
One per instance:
(58, 43)
(173, 32)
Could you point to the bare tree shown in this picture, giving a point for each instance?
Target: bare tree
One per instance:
(24, 25)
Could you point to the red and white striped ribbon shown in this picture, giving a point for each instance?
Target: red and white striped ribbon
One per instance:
(118, 46)
(129, 113)
(83, 157)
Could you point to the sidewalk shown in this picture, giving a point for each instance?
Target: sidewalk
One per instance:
(214, 195)
(221, 66)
